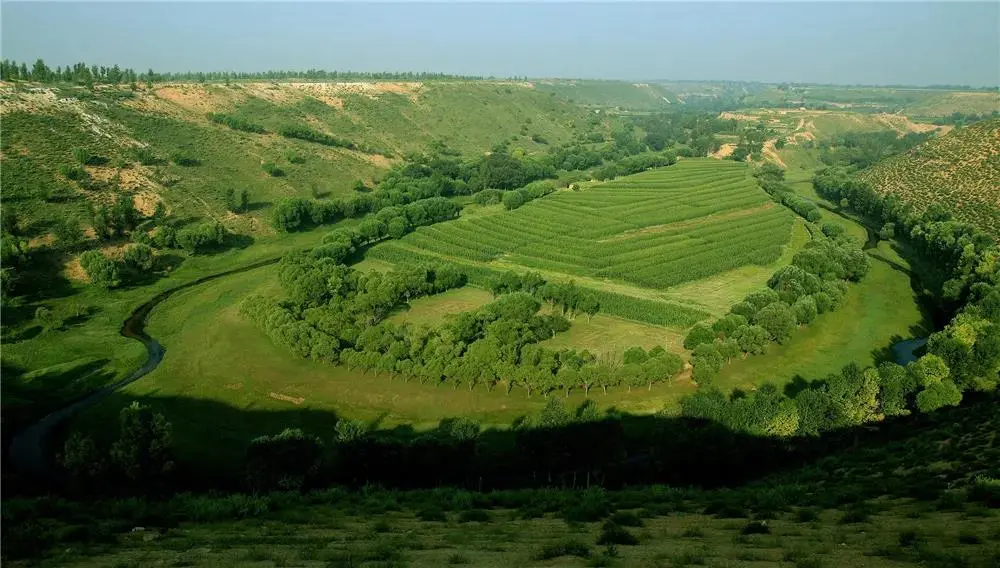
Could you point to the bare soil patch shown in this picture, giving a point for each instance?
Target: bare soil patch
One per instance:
(292, 399)
(724, 151)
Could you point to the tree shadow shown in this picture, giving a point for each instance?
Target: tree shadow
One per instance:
(258, 205)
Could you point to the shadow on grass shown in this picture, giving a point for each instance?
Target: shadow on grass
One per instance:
(614, 452)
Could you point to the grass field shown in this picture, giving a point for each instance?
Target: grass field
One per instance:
(322, 535)
(439, 308)
(608, 336)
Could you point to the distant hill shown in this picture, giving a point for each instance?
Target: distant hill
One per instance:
(960, 170)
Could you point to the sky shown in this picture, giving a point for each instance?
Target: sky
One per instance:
(911, 43)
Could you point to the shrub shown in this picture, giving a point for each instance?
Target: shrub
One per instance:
(854, 516)
(474, 516)
(82, 156)
(432, 514)
(626, 519)
(200, 238)
(282, 461)
(756, 527)
(184, 160)
(563, 548)
(612, 533)
(145, 156)
(272, 170)
(985, 490)
(101, 270)
(74, 173)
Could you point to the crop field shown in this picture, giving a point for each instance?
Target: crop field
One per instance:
(653, 230)
(961, 170)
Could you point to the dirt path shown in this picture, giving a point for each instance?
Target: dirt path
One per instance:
(771, 152)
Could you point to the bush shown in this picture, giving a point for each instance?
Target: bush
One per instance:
(101, 270)
(488, 196)
(184, 160)
(272, 170)
(283, 461)
(564, 548)
(474, 516)
(200, 238)
(756, 527)
(985, 490)
(434, 514)
(612, 533)
(626, 519)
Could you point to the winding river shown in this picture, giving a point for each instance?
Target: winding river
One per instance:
(29, 448)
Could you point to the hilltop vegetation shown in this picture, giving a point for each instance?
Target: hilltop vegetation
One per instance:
(959, 171)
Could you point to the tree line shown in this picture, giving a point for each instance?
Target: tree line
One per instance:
(323, 318)
(83, 74)
(814, 283)
(770, 177)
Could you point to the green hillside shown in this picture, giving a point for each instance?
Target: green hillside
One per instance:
(612, 94)
(384, 121)
(959, 171)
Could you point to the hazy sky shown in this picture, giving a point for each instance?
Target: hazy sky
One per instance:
(873, 43)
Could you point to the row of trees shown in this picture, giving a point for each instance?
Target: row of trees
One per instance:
(770, 177)
(334, 315)
(81, 73)
(813, 284)
(569, 298)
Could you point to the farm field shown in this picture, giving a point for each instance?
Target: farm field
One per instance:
(652, 230)
(960, 170)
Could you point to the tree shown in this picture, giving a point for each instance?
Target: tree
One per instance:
(938, 395)
(897, 385)
(139, 258)
(237, 202)
(142, 451)
(101, 270)
(888, 232)
(513, 200)
(698, 335)
(805, 310)
(726, 325)
(283, 461)
(589, 305)
(752, 339)
(777, 319)
(707, 362)
(124, 215)
(68, 232)
(81, 458)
